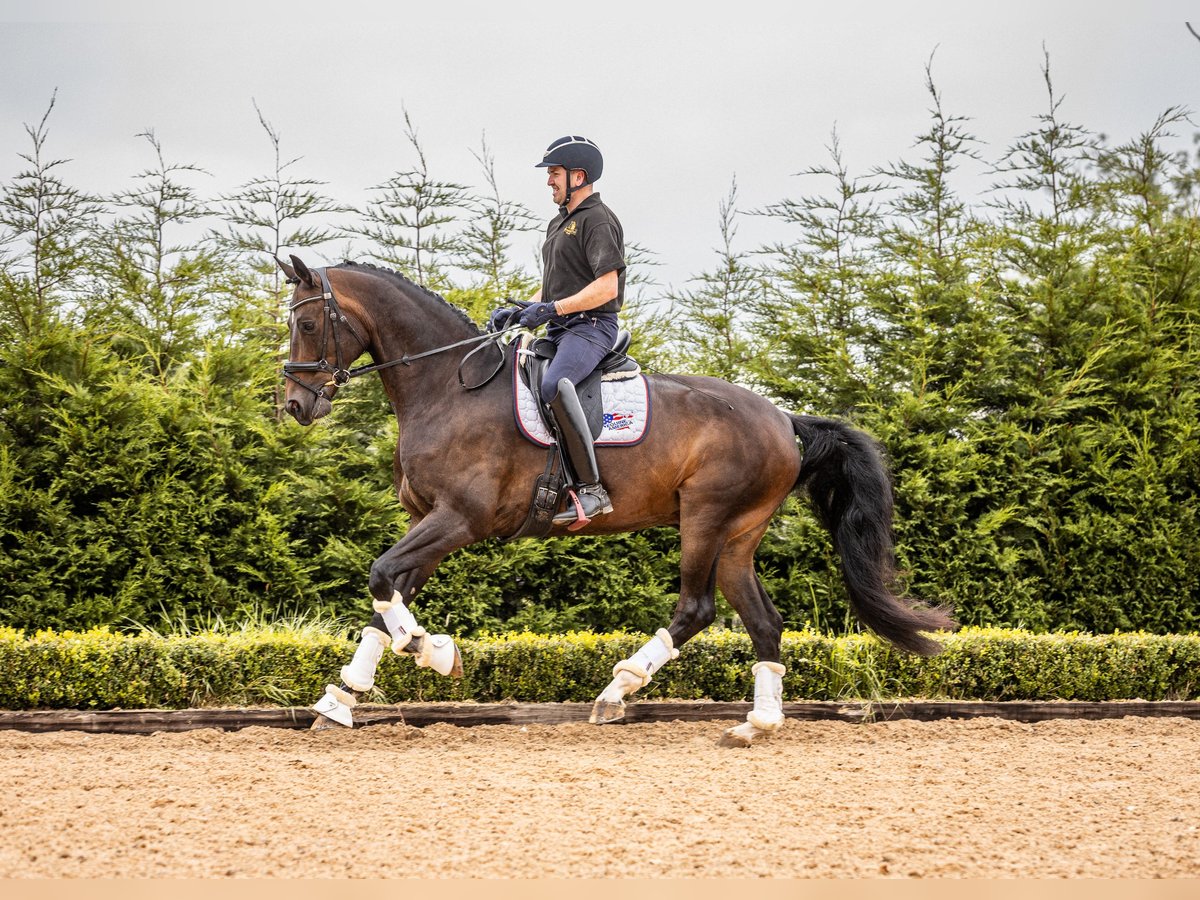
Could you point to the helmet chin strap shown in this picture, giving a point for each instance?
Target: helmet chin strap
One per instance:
(567, 201)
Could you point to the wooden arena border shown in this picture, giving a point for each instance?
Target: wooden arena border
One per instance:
(148, 721)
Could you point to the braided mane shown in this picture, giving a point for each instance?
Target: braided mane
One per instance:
(407, 284)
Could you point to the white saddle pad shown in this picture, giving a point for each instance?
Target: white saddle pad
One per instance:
(626, 412)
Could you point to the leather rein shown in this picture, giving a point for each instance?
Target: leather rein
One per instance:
(333, 318)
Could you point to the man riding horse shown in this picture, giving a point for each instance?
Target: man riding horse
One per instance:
(583, 287)
(718, 464)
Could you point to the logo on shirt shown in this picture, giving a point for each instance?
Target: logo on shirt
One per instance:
(571, 228)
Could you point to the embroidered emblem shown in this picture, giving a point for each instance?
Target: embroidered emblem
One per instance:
(618, 421)
(571, 228)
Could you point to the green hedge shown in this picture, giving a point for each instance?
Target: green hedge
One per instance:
(101, 669)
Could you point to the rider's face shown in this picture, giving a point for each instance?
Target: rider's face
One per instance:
(556, 180)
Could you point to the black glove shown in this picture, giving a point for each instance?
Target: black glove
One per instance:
(537, 314)
(499, 319)
(506, 316)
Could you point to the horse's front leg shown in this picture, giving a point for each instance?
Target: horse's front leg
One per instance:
(400, 573)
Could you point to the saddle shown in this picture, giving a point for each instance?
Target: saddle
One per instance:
(534, 355)
(531, 358)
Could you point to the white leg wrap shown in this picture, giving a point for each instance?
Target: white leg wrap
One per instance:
(768, 696)
(360, 674)
(336, 705)
(401, 624)
(437, 650)
(636, 672)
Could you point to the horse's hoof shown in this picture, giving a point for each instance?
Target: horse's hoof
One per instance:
(438, 652)
(741, 735)
(322, 723)
(605, 712)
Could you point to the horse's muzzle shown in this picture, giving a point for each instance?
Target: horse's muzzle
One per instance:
(306, 414)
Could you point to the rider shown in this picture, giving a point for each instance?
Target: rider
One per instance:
(583, 287)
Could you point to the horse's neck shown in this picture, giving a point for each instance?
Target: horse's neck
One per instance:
(409, 325)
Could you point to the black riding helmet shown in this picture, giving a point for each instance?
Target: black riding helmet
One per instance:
(574, 152)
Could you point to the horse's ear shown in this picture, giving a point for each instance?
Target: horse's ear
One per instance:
(288, 271)
(302, 271)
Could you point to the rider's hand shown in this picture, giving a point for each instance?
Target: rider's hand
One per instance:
(537, 314)
(500, 318)
(506, 316)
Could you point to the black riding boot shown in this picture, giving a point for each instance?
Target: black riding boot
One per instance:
(577, 445)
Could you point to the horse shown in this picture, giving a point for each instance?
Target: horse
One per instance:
(717, 464)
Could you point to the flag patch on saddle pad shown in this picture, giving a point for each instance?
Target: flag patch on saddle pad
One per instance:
(617, 421)
(626, 413)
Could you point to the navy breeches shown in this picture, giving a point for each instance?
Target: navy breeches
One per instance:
(583, 340)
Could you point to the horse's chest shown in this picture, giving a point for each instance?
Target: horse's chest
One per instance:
(410, 498)
(422, 474)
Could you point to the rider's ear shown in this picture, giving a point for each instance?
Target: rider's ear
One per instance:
(288, 271)
(302, 271)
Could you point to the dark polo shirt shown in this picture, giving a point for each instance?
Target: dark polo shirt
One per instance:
(580, 247)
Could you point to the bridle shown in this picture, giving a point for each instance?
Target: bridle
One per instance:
(332, 318)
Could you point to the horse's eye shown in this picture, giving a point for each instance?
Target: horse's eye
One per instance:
(308, 327)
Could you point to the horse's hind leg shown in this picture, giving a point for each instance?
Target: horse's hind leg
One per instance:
(695, 611)
(745, 593)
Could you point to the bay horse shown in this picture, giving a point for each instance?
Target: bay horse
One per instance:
(717, 463)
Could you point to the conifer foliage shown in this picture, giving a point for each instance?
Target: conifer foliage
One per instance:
(1027, 356)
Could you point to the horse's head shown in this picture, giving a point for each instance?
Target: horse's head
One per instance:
(322, 343)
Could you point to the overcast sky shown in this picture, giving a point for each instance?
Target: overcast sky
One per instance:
(681, 97)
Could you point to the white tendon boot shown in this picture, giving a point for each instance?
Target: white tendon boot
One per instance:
(359, 675)
(767, 714)
(436, 651)
(631, 674)
(336, 704)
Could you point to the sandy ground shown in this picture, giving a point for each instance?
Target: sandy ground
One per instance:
(978, 798)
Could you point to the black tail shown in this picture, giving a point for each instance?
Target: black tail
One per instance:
(851, 491)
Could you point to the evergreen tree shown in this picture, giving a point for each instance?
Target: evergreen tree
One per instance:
(714, 341)
(273, 211)
(485, 255)
(161, 292)
(262, 217)
(409, 220)
(649, 318)
(45, 226)
(810, 321)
